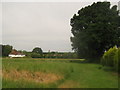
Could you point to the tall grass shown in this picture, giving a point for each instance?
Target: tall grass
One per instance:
(76, 75)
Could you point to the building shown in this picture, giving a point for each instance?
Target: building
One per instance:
(15, 53)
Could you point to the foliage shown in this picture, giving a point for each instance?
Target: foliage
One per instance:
(6, 49)
(36, 55)
(60, 55)
(111, 58)
(37, 50)
(26, 53)
(108, 57)
(115, 62)
(95, 29)
(65, 55)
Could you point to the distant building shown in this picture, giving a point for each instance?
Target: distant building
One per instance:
(15, 53)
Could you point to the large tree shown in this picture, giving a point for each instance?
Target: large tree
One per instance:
(37, 50)
(6, 49)
(95, 29)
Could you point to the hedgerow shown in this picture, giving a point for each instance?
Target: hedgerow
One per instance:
(111, 58)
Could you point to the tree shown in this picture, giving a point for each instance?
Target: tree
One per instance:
(37, 50)
(6, 49)
(95, 29)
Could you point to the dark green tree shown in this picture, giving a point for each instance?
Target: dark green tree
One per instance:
(37, 50)
(95, 29)
(6, 49)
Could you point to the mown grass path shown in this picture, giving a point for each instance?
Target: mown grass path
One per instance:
(71, 75)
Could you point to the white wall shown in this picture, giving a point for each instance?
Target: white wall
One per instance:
(11, 55)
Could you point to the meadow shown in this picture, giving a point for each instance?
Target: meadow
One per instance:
(55, 73)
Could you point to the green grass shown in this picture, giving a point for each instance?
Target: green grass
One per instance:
(76, 75)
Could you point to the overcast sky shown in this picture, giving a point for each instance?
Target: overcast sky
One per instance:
(26, 25)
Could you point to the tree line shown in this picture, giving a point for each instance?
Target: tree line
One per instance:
(37, 52)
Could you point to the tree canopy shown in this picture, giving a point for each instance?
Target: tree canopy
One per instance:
(6, 49)
(95, 29)
(37, 50)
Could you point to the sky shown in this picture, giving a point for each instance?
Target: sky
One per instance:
(26, 25)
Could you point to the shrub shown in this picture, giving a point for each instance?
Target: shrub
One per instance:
(117, 60)
(36, 55)
(108, 57)
(111, 58)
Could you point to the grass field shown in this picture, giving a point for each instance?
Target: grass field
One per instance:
(55, 73)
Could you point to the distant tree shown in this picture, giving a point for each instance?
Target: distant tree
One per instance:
(6, 49)
(24, 52)
(95, 29)
(37, 50)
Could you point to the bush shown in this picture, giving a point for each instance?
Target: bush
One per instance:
(111, 58)
(117, 60)
(36, 55)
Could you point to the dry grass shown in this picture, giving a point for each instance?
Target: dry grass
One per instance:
(38, 77)
(0, 72)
